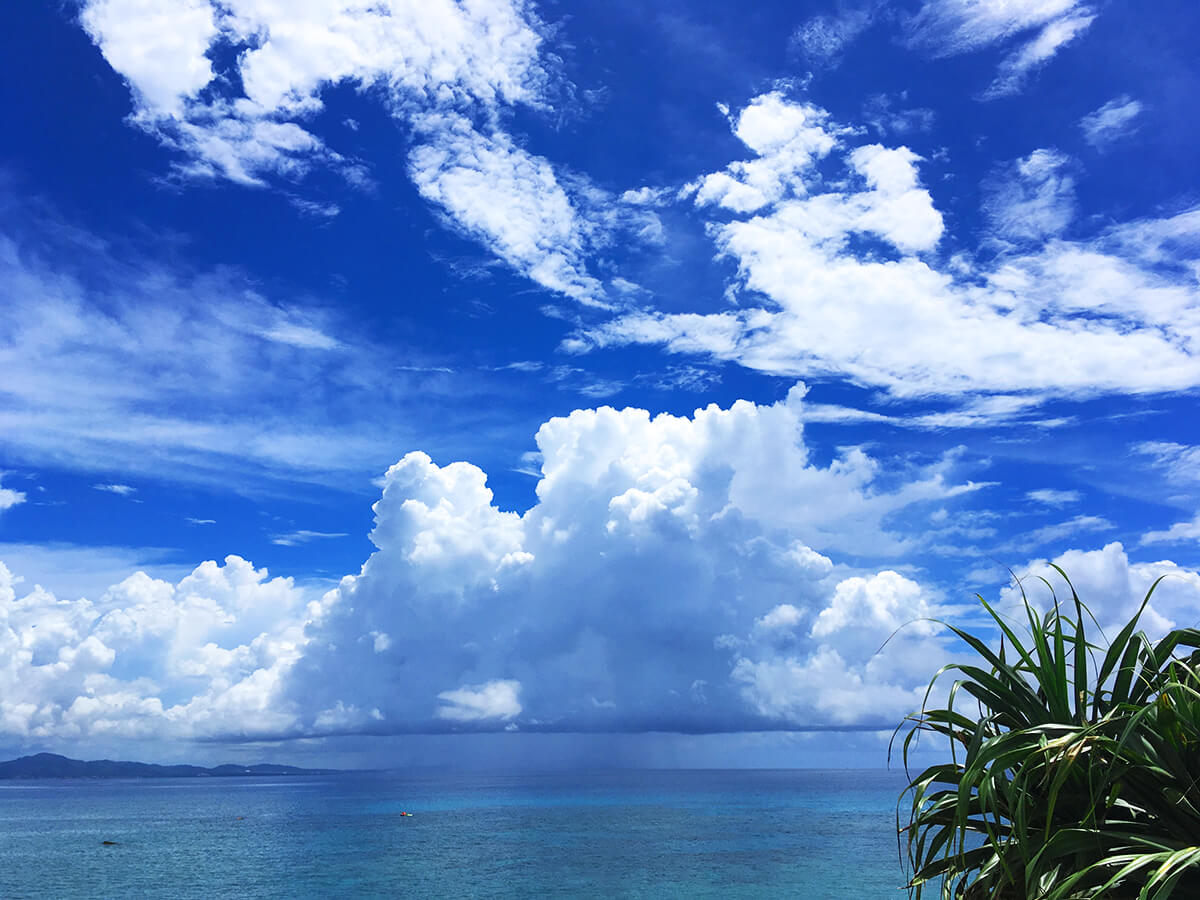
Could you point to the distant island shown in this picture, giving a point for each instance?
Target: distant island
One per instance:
(51, 765)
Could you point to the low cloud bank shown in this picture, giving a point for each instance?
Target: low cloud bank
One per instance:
(675, 574)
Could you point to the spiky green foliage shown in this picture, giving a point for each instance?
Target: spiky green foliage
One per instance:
(1074, 766)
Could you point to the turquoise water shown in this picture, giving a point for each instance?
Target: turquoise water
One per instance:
(793, 833)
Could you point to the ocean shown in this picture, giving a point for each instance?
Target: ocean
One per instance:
(659, 833)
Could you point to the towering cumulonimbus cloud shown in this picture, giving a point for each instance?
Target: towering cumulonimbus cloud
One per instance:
(677, 573)
(672, 576)
(666, 572)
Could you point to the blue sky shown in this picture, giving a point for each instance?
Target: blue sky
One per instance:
(403, 382)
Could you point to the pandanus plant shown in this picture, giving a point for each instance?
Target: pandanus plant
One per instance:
(1074, 764)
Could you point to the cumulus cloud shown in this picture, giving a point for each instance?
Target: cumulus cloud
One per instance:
(1111, 122)
(1113, 588)
(788, 138)
(856, 682)
(674, 574)
(951, 27)
(438, 65)
(842, 282)
(149, 658)
(416, 53)
(494, 700)
(662, 552)
(10, 498)
(1180, 532)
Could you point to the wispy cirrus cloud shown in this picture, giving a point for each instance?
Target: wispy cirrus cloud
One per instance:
(822, 39)
(508, 198)
(118, 358)
(121, 490)
(1111, 122)
(1181, 462)
(1049, 535)
(1016, 68)
(1054, 497)
(1032, 198)
(952, 27)
(303, 536)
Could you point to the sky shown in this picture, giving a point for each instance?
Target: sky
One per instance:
(497, 383)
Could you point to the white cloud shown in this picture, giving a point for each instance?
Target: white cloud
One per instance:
(822, 39)
(1052, 497)
(10, 498)
(644, 196)
(1113, 588)
(417, 53)
(655, 543)
(116, 361)
(951, 27)
(1180, 532)
(833, 285)
(436, 64)
(948, 27)
(1018, 65)
(889, 115)
(845, 679)
(1112, 121)
(149, 658)
(675, 574)
(1181, 461)
(788, 139)
(1051, 534)
(159, 47)
(506, 197)
(295, 538)
(121, 490)
(1033, 198)
(494, 700)
(783, 616)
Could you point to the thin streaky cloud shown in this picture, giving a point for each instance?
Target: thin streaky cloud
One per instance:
(1114, 120)
(122, 490)
(303, 536)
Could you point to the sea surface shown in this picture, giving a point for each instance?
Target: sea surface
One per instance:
(789, 833)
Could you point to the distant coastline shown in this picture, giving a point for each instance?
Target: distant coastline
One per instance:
(52, 765)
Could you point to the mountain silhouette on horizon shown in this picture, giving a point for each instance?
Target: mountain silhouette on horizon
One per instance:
(52, 765)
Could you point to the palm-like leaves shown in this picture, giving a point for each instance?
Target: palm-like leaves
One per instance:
(1074, 774)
